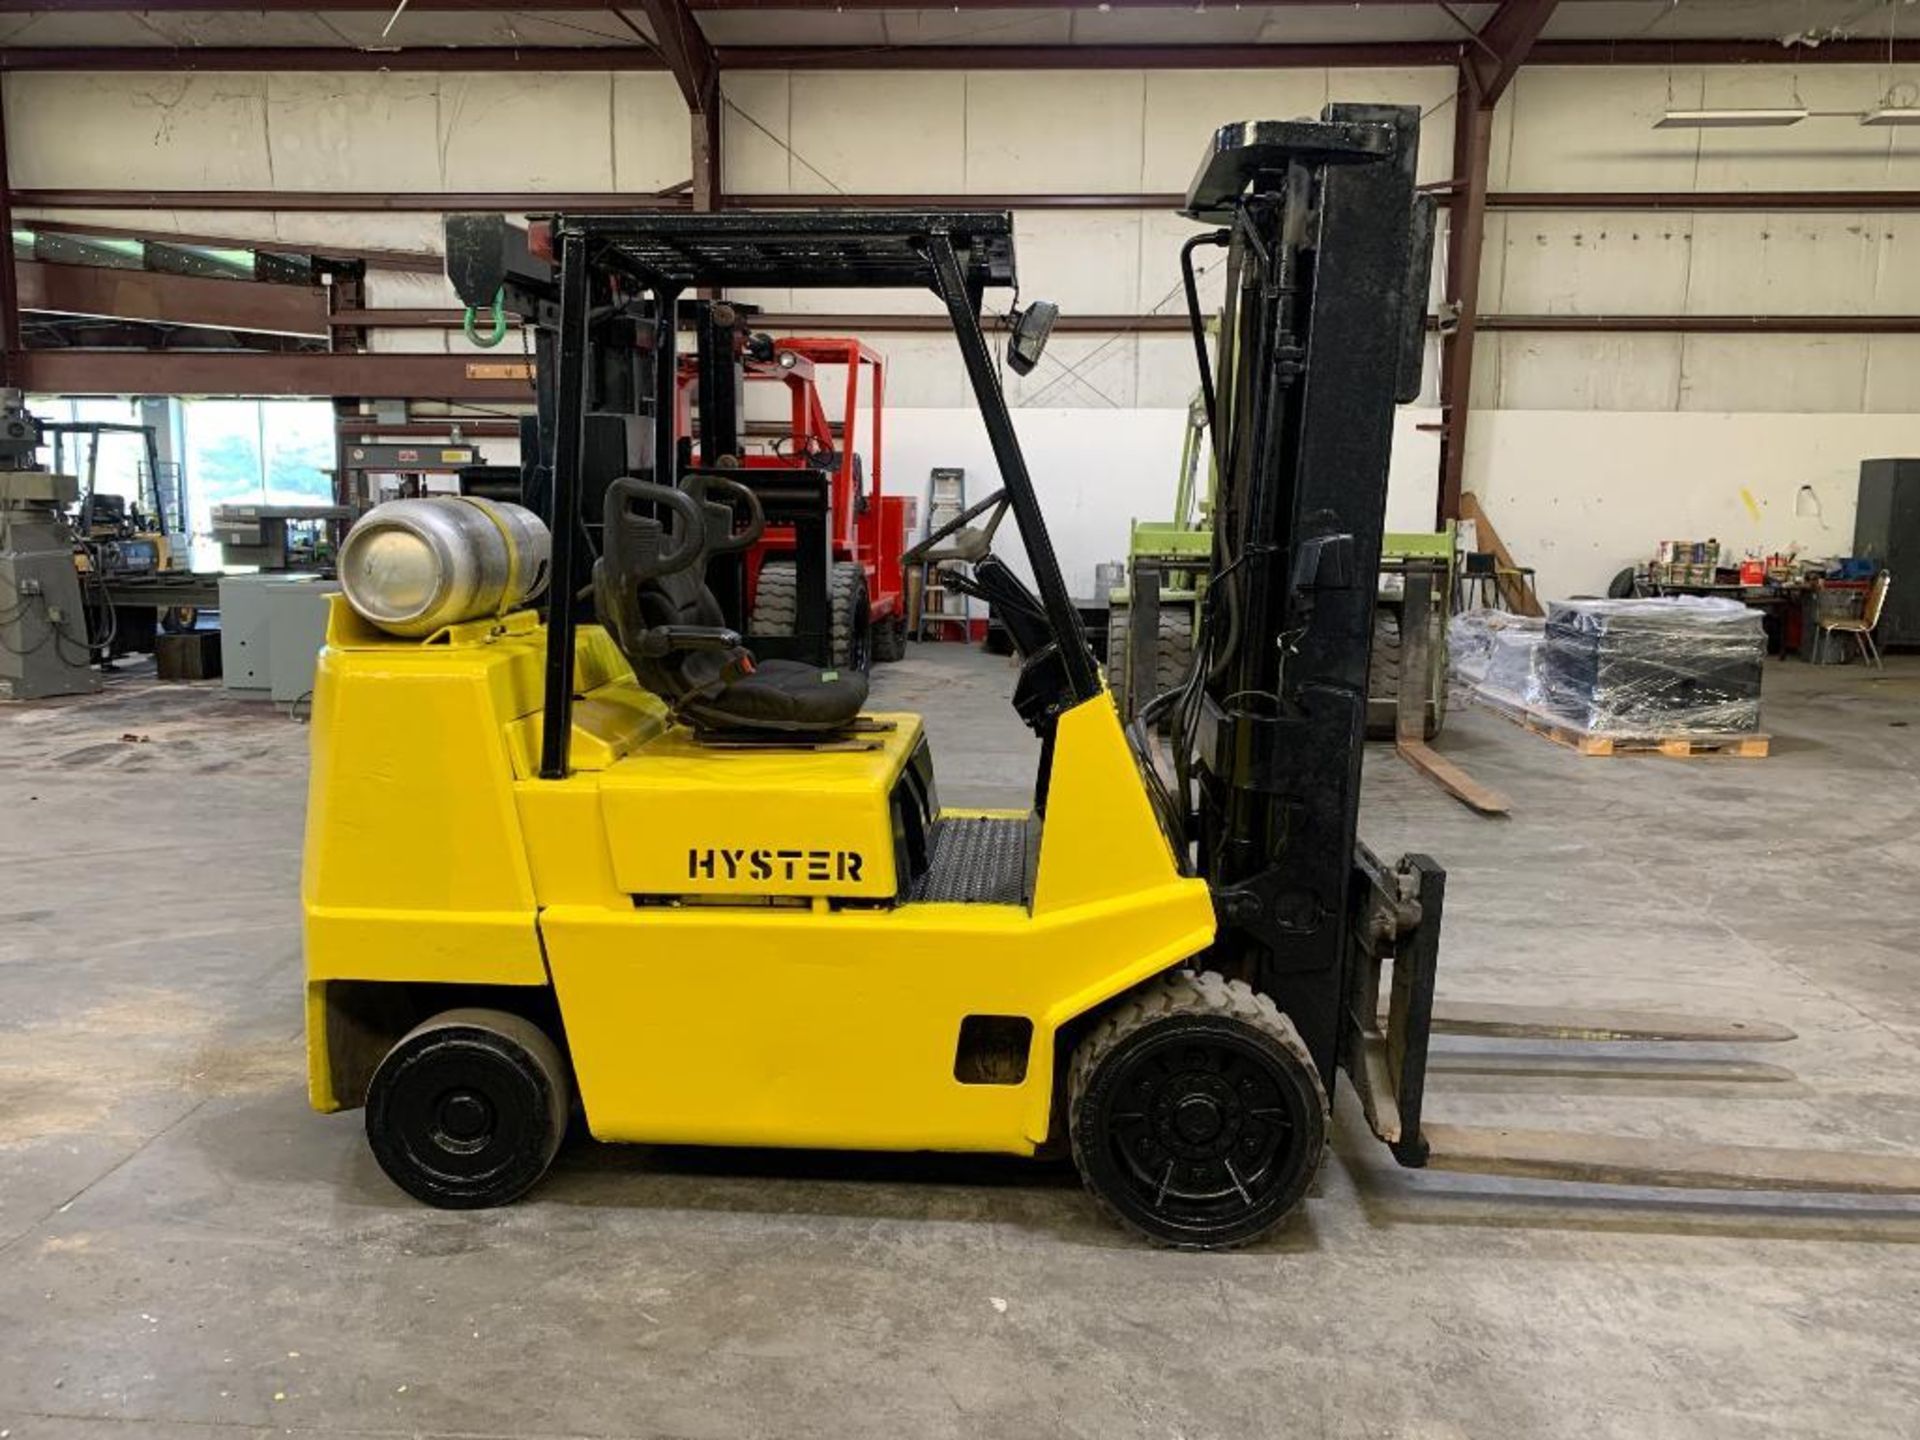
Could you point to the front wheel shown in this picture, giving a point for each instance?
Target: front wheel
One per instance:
(1196, 1115)
(468, 1109)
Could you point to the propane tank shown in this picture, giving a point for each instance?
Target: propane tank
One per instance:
(412, 567)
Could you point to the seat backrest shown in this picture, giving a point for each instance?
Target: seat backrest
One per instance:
(1877, 598)
(651, 578)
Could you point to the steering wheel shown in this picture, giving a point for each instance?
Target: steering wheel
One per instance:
(968, 544)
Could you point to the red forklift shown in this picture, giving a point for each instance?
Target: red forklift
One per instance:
(824, 584)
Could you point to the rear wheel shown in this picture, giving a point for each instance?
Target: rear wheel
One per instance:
(776, 601)
(852, 617)
(1172, 651)
(776, 612)
(890, 639)
(468, 1109)
(1383, 679)
(1195, 1113)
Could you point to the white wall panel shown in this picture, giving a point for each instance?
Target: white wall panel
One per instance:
(1580, 495)
(754, 131)
(1559, 263)
(922, 371)
(1489, 365)
(353, 132)
(1893, 374)
(157, 132)
(652, 136)
(875, 131)
(1791, 264)
(1826, 152)
(1167, 376)
(1592, 129)
(1082, 371)
(1088, 263)
(1055, 130)
(1185, 107)
(518, 131)
(1896, 281)
(1774, 372)
(1552, 371)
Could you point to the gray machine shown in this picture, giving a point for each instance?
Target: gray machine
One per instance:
(278, 537)
(44, 645)
(271, 631)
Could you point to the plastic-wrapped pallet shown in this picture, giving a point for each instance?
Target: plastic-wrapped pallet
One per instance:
(1682, 666)
(1497, 653)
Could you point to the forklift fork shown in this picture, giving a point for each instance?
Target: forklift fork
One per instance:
(1384, 1052)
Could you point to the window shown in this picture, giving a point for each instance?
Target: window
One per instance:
(298, 450)
(255, 452)
(120, 459)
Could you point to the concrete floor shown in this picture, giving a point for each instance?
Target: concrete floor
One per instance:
(187, 1251)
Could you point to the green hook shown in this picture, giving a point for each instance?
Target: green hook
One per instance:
(499, 331)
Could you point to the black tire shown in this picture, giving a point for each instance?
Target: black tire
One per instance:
(776, 601)
(1172, 652)
(776, 611)
(1383, 681)
(468, 1109)
(890, 639)
(852, 617)
(1186, 1076)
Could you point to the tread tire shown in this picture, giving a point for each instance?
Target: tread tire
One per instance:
(890, 639)
(1383, 680)
(776, 601)
(1210, 998)
(852, 617)
(1172, 654)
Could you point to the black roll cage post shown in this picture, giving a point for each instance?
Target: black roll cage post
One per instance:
(955, 254)
(1063, 617)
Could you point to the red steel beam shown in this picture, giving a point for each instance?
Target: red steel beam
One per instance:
(1647, 201)
(1496, 54)
(1487, 67)
(221, 59)
(422, 261)
(1706, 324)
(534, 58)
(403, 201)
(522, 202)
(296, 7)
(162, 7)
(9, 282)
(172, 299)
(897, 323)
(681, 42)
(345, 376)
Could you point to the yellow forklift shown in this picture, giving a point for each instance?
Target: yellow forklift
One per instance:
(602, 860)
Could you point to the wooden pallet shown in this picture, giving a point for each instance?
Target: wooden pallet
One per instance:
(1744, 746)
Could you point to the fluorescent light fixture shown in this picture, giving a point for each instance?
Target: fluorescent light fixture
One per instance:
(1892, 115)
(1727, 119)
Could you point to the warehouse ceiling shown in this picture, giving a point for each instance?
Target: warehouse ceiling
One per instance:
(373, 24)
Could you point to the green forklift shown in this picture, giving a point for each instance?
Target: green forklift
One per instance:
(1166, 582)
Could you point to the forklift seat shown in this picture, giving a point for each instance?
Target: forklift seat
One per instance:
(651, 593)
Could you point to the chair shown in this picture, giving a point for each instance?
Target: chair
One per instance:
(1862, 626)
(651, 593)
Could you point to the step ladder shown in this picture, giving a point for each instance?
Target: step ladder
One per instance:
(940, 606)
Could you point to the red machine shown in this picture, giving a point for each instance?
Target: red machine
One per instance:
(824, 583)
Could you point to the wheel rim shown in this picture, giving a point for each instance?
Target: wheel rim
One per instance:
(461, 1117)
(1201, 1130)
